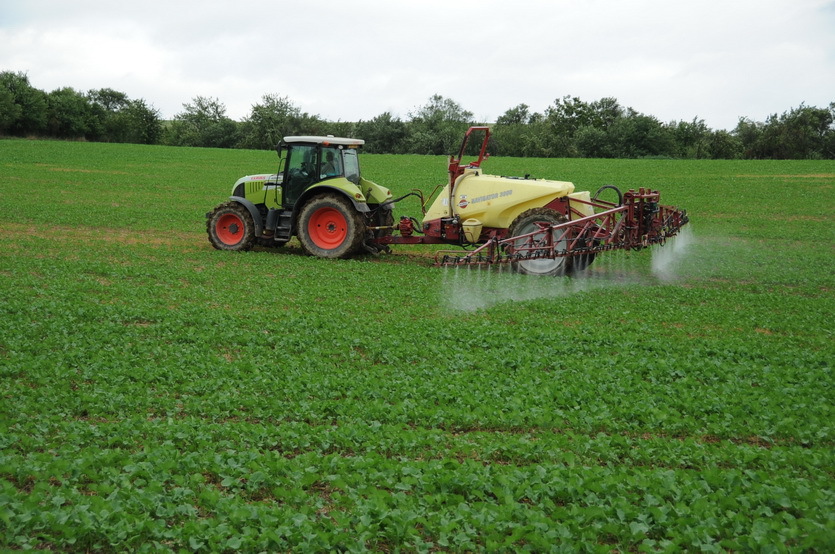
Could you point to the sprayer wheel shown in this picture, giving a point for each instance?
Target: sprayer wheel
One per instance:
(525, 223)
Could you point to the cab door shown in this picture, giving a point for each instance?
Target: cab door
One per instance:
(302, 171)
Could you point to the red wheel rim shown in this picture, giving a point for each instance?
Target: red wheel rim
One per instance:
(327, 228)
(229, 229)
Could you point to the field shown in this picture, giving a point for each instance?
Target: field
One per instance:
(158, 394)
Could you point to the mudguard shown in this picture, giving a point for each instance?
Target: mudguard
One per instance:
(253, 211)
(359, 203)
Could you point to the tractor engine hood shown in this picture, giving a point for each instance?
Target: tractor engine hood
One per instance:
(259, 180)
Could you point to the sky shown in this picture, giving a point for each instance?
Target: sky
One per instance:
(714, 60)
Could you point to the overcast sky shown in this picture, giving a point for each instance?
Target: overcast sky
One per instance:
(348, 60)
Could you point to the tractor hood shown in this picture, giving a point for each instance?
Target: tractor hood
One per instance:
(494, 200)
(258, 181)
(259, 189)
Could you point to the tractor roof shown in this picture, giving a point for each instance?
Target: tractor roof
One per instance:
(328, 140)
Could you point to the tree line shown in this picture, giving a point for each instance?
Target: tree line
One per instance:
(570, 127)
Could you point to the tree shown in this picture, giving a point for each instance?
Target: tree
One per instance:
(337, 128)
(518, 115)
(437, 127)
(69, 114)
(384, 134)
(30, 117)
(638, 135)
(799, 133)
(136, 123)
(203, 123)
(748, 133)
(9, 111)
(568, 115)
(592, 142)
(828, 141)
(516, 131)
(117, 118)
(723, 145)
(605, 112)
(562, 120)
(105, 103)
(108, 100)
(274, 118)
(691, 138)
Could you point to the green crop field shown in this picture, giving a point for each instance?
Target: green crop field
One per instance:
(158, 394)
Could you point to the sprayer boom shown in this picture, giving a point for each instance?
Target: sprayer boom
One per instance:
(636, 222)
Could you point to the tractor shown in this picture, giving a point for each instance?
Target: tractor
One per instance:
(538, 226)
(317, 195)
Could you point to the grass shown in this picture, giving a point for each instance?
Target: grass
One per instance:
(158, 394)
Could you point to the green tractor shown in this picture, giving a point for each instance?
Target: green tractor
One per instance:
(317, 195)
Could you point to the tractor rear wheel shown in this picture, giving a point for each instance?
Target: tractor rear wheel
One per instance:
(330, 227)
(527, 222)
(230, 227)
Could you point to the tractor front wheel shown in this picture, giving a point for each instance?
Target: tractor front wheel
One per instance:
(230, 227)
(330, 227)
(527, 222)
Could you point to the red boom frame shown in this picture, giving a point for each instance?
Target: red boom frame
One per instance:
(637, 222)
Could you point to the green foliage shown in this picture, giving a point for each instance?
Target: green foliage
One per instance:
(101, 115)
(69, 114)
(514, 133)
(384, 134)
(803, 132)
(31, 115)
(438, 127)
(136, 123)
(275, 118)
(569, 128)
(568, 116)
(117, 118)
(202, 123)
(9, 110)
(640, 136)
(159, 395)
(691, 137)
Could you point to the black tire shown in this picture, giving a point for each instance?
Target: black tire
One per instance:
(330, 227)
(525, 223)
(383, 217)
(230, 227)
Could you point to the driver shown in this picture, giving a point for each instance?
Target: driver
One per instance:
(331, 166)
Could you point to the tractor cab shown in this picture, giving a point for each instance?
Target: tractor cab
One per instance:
(309, 160)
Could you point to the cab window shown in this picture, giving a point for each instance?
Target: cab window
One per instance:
(352, 166)
(331, 163)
